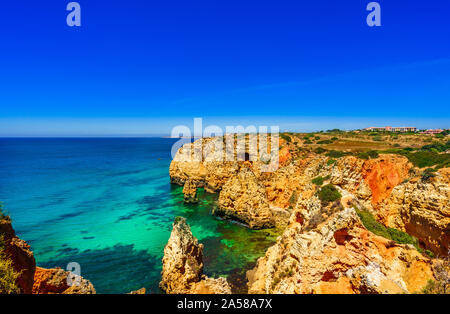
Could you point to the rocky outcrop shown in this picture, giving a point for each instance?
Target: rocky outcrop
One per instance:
(422, 209)
(59, 281)
(20, 254)
(370, 180)
(183, 265)
(244, 198)
(190, 192)
(34, 279)
(383, 174)
(338, 255)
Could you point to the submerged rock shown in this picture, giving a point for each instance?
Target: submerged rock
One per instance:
(183, 265)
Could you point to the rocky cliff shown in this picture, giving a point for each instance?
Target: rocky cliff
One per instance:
(183, 265)
(34, 279)
(325, 248)
(20, 254)
(338, 255)
(422, 209)
(55, 281)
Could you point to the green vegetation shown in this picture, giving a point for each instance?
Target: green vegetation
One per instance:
(325, 142)
(3, 215)
(8, 275)
(285, 137)
(329, 193)
(427, 156)
(318, 181)
(368, 155)
(335, 154)
(293, 199)
(428, 174)
(331, 161)
(371, 224)
(178, 219)
(377, 138)
(320, 150)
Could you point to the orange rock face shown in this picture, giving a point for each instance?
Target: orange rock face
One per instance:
(21, 256)
(55, 281)
(383, 174)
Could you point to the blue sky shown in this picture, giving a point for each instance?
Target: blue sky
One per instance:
(141, 67)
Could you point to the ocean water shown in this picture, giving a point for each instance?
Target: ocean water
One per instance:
(108, 205)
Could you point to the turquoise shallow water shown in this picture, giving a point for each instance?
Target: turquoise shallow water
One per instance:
(108, 204)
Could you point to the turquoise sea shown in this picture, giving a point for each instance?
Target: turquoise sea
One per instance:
(107, 204)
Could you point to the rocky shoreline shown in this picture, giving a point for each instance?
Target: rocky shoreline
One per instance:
(349, 225)
(325, 248)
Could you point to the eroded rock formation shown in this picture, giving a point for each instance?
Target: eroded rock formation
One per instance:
(422, 209)
(387, 186)
(338, 255)
(183, 265)
(59, 281)
(244, 198)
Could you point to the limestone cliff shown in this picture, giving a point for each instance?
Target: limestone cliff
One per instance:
(183, 265)
(244, 198)
(422, 209)
(338, 255)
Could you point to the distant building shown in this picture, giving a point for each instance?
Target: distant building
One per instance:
(433, 131)
(392, 129)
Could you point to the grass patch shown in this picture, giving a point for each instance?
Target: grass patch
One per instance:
(331, 161)
(371, 224)
(318, 181)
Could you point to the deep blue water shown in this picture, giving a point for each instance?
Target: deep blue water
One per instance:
(107, 203)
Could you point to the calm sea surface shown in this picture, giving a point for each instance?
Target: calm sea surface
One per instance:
(108, 204)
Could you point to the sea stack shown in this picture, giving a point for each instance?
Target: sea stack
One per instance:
(183, 265)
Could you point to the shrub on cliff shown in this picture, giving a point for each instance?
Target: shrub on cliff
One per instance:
(8, 275)
(3, 215)
(285, 137)
(368, 155)
(428, 174)
(335, 154)
(329, 193)
(320, 150)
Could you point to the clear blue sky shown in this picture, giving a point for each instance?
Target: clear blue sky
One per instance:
(141, 66)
